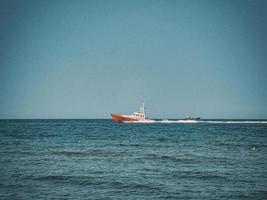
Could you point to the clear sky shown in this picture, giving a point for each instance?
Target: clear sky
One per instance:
(87, 59)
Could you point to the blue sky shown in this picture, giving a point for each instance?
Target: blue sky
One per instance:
(87, 59)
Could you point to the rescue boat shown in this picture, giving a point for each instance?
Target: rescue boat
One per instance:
(134, 117)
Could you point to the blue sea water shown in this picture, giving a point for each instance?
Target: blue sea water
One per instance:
(101, 159)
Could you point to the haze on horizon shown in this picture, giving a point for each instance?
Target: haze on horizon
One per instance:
(87, 59)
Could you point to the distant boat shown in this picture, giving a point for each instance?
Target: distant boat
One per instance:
(191, 118)
(134, 117)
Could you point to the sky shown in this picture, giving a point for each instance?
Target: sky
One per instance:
(87, 59)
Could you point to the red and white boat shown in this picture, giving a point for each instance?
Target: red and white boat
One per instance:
(134, 117)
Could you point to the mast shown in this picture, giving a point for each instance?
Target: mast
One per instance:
(142, 109)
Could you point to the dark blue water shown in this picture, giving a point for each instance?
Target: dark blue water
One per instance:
(100, 159)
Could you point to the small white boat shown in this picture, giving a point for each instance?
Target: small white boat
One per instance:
(191, 118)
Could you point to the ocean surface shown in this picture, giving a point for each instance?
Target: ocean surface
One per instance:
(101, 159)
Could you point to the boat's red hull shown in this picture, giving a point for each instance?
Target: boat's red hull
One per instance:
(120, 119)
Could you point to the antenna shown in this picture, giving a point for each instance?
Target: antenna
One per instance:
(142, 110)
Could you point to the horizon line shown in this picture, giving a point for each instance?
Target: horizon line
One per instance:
(111, 118)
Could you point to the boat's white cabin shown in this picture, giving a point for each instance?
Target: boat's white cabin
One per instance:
(138, 115)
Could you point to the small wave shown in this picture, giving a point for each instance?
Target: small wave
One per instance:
(89, 181)
(132, 186)
(51, 177)
(71, 153)
(198, 175)
(167, 158)
(144, 145)
(79, 180)
(24, 152)
(91, 152)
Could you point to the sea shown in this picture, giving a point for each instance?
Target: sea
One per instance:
(163, 159)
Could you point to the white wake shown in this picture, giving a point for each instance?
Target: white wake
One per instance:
(166, 121)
